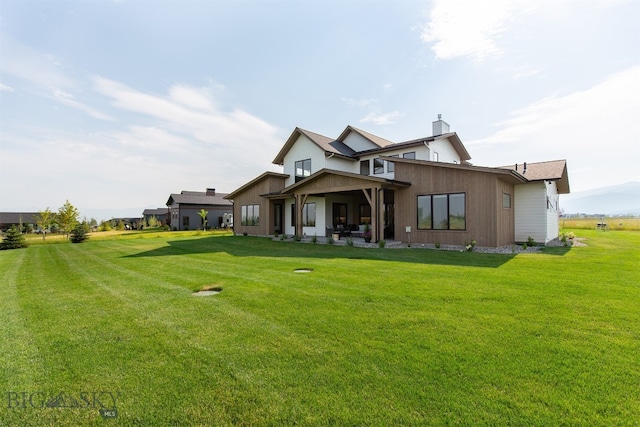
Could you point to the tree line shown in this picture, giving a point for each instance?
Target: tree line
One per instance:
(65, 220)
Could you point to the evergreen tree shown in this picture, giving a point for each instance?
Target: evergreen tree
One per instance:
(79, 233)
(13, 239)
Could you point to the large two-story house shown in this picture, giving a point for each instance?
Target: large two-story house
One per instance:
(419, 191)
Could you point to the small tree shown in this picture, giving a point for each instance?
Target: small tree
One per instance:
(120, 225)
(105, 226)
(45, 219)
(203, 214)
(79, 233)
(13, 239)
(67, 218)
(152, 222)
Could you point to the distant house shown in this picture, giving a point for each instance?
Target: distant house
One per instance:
(8, 219)
(419, 191)
(183, 209)
(161, 214)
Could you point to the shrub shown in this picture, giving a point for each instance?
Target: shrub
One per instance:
(79, 233)
(314, 239)
(330, 241)
(13, 239)
(469, 246)
(282, 237)
(381, 243)
(297, 238)
(349, 241)
(530, 241)
(437, 245)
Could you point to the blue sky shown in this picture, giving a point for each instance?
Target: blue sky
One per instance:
(114, 105)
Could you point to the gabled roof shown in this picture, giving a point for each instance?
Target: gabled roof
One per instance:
(380, 142)
(157, 212)
(554, 170)
(329, 145)
(452, 136)
(254, 181)
(325, 171)
(510, 175)
(198, 198)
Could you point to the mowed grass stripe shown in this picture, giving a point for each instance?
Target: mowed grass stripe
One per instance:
(20, 360)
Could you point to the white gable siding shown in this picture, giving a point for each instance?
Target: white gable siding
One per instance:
(358, 143)
(340, 164)
(303, 149)
(530, 212)
(446, 152)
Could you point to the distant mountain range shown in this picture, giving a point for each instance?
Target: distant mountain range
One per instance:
(623, 199)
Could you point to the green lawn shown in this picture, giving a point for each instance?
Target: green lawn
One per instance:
(369, 337)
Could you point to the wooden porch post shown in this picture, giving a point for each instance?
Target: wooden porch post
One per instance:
(301, 199)
(375, 227)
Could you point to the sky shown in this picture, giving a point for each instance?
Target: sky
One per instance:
(114, 105)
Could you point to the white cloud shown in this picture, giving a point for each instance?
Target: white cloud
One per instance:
(481, 29)
(30, 65)
(5, 88)
(462, 28)
(190, 111)
(66, 98)
(597, 130)
(382, 119)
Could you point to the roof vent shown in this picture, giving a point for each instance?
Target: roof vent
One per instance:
(440, 127)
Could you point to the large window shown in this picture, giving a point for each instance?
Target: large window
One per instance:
(364, 167)
(442, 212)
(303, 169)
(308, 215)
(409, 155)
(250, 215)
(391, 167)
(378, 166)
(339, 214)
(365, 214)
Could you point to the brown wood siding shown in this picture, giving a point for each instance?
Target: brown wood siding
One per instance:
(335, 183)
(506, 217)
(251, 196)
(485, 221)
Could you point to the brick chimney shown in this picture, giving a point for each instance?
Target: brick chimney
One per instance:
(211, 191)
(440, 127)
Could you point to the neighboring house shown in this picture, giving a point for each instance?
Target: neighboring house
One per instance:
(128, 222)
(419, 191)
(161, 214)
(184, 207)
(7, 219)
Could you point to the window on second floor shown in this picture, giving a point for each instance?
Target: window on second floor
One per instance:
(378, 166)
(364, 167)
(303, 169)
(409, 155)
(391, 167)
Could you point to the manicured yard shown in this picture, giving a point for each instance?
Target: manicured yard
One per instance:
(368, 337)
